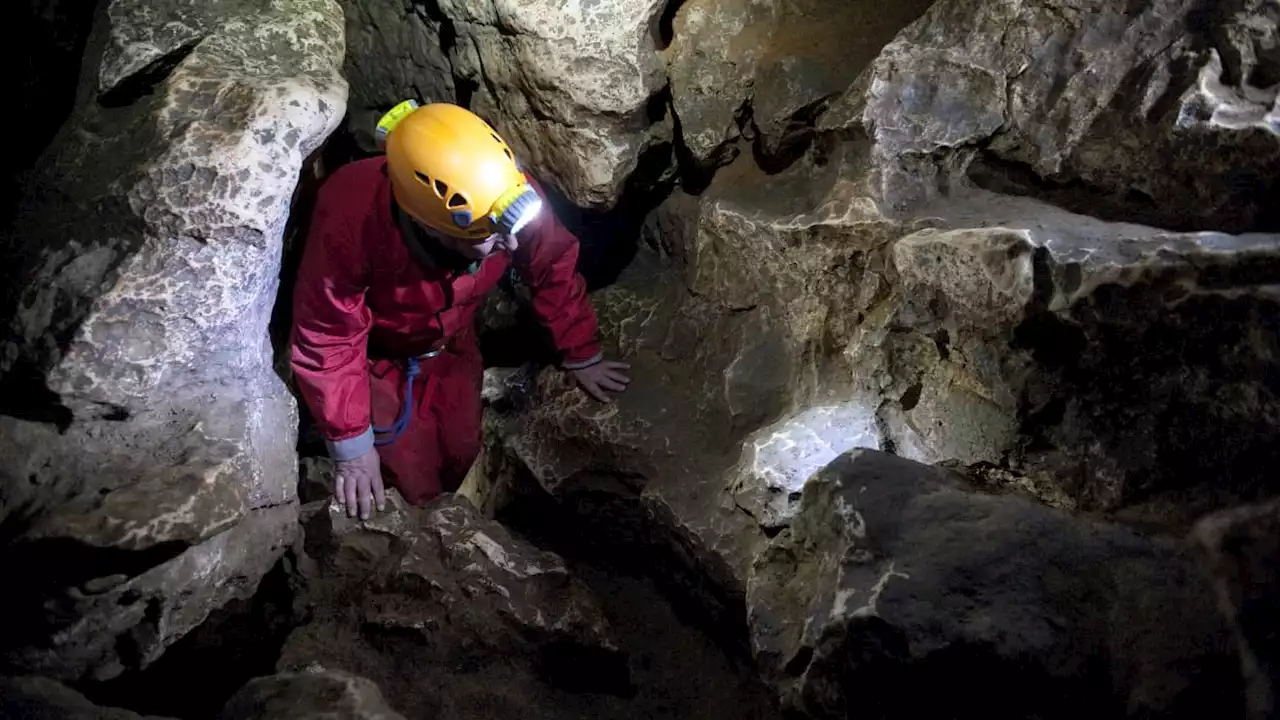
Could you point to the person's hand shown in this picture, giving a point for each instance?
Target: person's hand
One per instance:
(596, 379)
(359, 485)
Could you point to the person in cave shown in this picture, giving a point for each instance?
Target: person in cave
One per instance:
(401, 249)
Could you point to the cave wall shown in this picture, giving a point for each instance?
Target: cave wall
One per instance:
(1031, 242)
(150, 471)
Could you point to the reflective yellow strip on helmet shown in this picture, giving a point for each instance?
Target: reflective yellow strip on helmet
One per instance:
(393, 118)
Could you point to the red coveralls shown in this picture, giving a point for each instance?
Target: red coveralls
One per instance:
(363, 305)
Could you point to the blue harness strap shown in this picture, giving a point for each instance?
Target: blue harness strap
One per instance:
(406, 412)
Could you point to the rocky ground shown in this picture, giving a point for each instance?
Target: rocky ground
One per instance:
(953, 327)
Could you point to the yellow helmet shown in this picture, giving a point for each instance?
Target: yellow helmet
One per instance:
(453, 173)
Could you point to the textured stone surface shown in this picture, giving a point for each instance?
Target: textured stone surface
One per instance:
(1241, 547)
(769, 68)
(1047, 354)
(106, 610)
(778, 460)
(646, 473)
(892, 572)
(38, 698)
(393, 54)
(568, 84)
(484, 618)
(1109, 367)
(1113, 110)
(310, 693)
(150, 471)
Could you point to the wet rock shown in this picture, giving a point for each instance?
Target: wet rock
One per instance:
(570, 86)
(482, 618)
(394, 53)
(1241, 546)
(309, 693)
(39, 698)
(150, 472)
(892, 572)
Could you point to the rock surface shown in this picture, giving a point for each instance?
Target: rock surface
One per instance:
(39, 698)
(894, 573)
(568, 84)
(393, 53)
(1162, 113)
(763, 70)
(420, 600)
(150, 473)
(948, 253)
(1241, 546)
(311, 693)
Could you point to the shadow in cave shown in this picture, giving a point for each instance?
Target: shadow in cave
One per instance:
(197, 675)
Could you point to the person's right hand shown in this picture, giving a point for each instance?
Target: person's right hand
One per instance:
(359, 485)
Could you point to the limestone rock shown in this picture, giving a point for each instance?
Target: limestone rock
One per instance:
(309, 693)
(646, 473)
(1123, 112)
(104, 610)
(39, 698)
(467, 604)
(569, 85)
(1089, 339)
(150, 471)
(715, 49)
(394, 53)
(1241, 546)
(989, 333)
(892, 571)
(770, 68)
(779, 459)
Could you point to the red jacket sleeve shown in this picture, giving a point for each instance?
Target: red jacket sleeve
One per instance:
(331, 326)
(548, 257)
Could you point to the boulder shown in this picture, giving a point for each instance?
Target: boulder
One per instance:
(1240, 548)
(1162, 113)
(764, 70)
(38, 698)
(569, 85)
(150, 472)
(894, 574)
(450, 613)
(309, 693)
(1043, 351)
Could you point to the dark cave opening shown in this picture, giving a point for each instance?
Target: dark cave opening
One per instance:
(198, 674)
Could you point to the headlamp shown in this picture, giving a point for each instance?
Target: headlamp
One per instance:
(514, 209)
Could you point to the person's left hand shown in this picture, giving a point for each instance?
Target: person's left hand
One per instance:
(605, 375)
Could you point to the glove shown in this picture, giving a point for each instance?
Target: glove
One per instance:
(359, 485)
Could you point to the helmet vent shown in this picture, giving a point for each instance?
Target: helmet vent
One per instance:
(457, 200)
(422, 178)
(441, 188)
(495, 137)
(509, 155)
